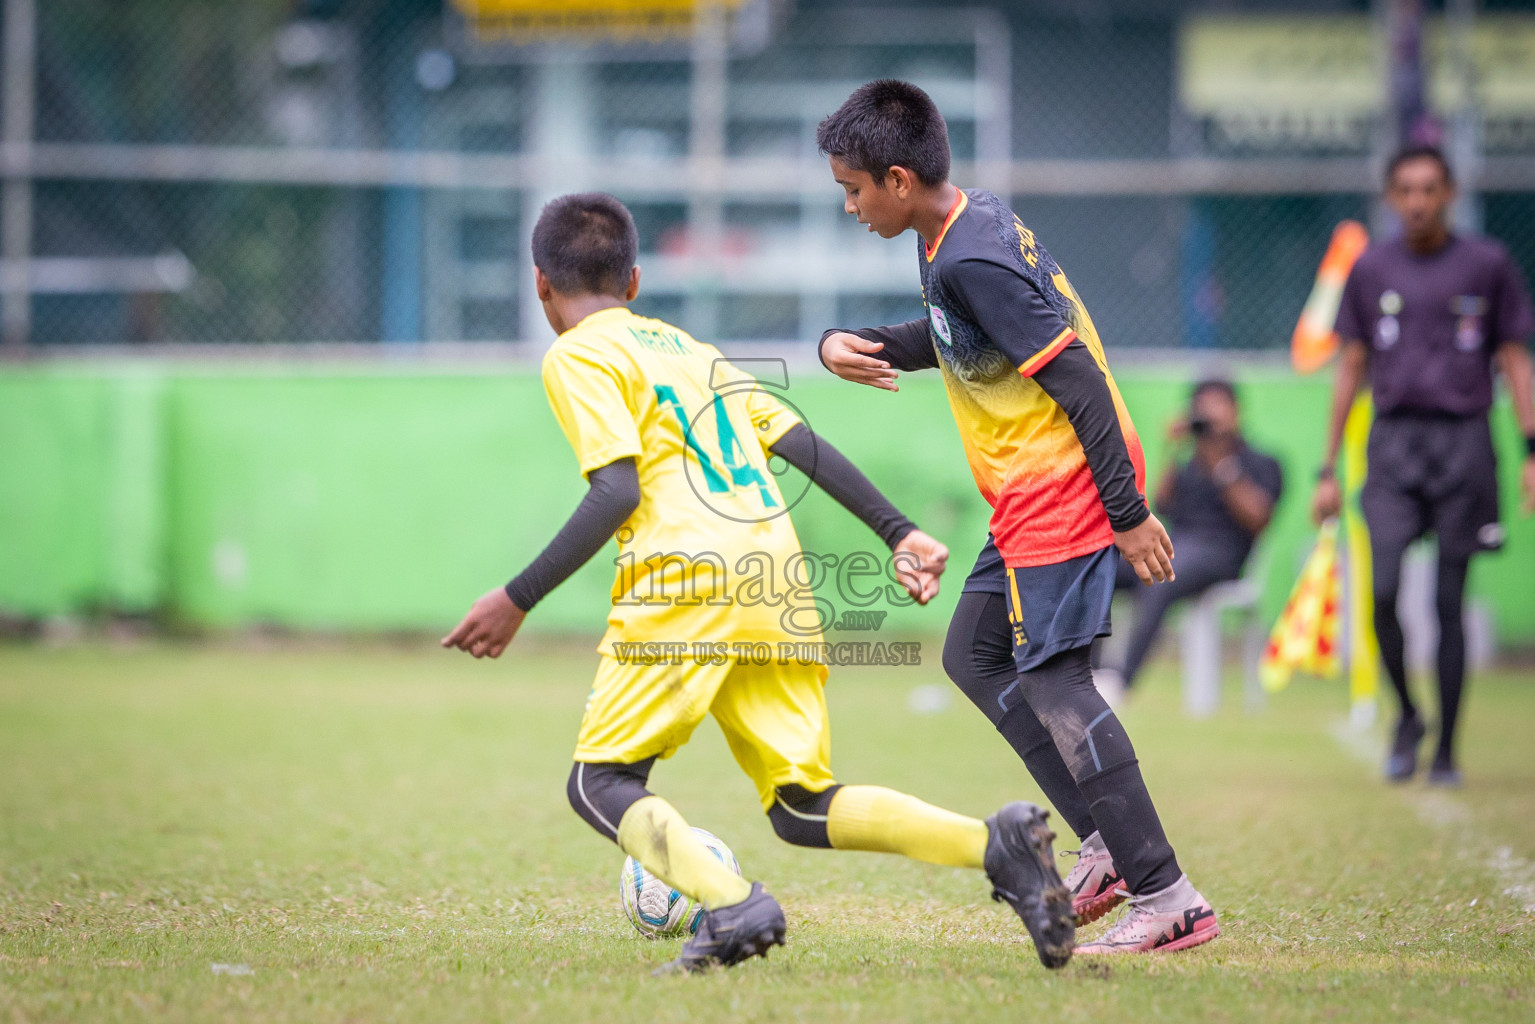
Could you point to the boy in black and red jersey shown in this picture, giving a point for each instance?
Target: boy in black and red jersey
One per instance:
(1055, 454)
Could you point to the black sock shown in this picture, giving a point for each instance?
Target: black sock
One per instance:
(1098, 753)
(1119, 798)
(1448, 600)
(978, 656)
(1387, 569)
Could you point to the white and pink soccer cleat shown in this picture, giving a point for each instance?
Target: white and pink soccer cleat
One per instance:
(1162, 922)
(1096, 886)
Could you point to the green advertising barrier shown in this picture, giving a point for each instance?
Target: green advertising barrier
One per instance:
(377, 498)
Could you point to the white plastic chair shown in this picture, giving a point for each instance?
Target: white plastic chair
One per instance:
(1201, 640)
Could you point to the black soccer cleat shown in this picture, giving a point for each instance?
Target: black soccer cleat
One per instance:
(731, 934)
(1402, 763)
(1022, 872)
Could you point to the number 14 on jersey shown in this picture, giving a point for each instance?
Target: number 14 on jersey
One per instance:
(738, 469)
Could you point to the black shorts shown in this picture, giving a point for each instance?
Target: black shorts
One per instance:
(1432, 474)
(1052, 608)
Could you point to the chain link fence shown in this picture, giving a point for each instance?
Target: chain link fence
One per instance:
(368, 170)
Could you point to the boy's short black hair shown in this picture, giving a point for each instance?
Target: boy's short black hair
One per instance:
(1420, 152)
(888, 123)
(585, 243)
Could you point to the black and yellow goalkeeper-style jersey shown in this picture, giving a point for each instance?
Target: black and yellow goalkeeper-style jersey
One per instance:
(999, 309)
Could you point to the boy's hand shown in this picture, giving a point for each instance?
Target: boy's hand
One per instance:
(919, 561)
(489, 626)
(1327, 502)
(852, 358)
(1149, 550)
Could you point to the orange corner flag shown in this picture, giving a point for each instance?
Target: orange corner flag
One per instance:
(1314, 342)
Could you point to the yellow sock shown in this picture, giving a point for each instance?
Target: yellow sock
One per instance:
(653, 833)
(880, 819)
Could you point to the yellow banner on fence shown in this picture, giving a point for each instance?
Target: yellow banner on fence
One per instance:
(522, 21)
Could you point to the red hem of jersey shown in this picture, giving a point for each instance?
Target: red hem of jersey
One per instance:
(1034, 561)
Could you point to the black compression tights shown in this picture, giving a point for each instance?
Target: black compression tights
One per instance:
(978, 656)
(1449, 600)
(1068, 738)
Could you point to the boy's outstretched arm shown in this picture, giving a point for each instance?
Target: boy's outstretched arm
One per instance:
(872, 355)
(920, 559)
(611, 498)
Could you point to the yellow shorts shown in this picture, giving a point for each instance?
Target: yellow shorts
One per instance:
(773, 717)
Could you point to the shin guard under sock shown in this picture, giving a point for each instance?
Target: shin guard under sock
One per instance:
(883, 820)
(653, 833)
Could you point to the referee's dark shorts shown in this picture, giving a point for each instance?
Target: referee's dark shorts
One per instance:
(1430, 473)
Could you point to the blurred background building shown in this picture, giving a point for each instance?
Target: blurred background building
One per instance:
(368, 170)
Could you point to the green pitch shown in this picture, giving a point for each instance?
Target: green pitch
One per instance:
(382, 835)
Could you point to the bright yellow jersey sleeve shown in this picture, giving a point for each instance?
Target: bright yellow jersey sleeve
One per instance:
(594, 404)
(771, 418)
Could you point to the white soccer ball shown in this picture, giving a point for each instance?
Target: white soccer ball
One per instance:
(658, 911)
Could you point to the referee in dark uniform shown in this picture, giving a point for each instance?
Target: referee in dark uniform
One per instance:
(1428, 317)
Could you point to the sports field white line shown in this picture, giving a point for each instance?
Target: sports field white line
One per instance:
(1441, 809)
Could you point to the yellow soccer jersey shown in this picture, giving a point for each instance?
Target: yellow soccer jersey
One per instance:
(709, 555)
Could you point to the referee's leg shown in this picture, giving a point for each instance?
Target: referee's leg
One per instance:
(1466, 521)
(1449, 599)
(1386, 553)
(1397, 514)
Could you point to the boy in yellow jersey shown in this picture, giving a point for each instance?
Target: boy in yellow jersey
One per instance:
(674, 445)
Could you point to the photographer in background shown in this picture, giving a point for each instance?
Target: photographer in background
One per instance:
(1215, 502)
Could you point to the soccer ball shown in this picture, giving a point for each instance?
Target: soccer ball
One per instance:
(658, 911)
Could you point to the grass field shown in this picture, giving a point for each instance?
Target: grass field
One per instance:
(381, 835)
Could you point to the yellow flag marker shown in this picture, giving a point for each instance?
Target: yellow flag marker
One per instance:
(1305, 639)
(1363, 649)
